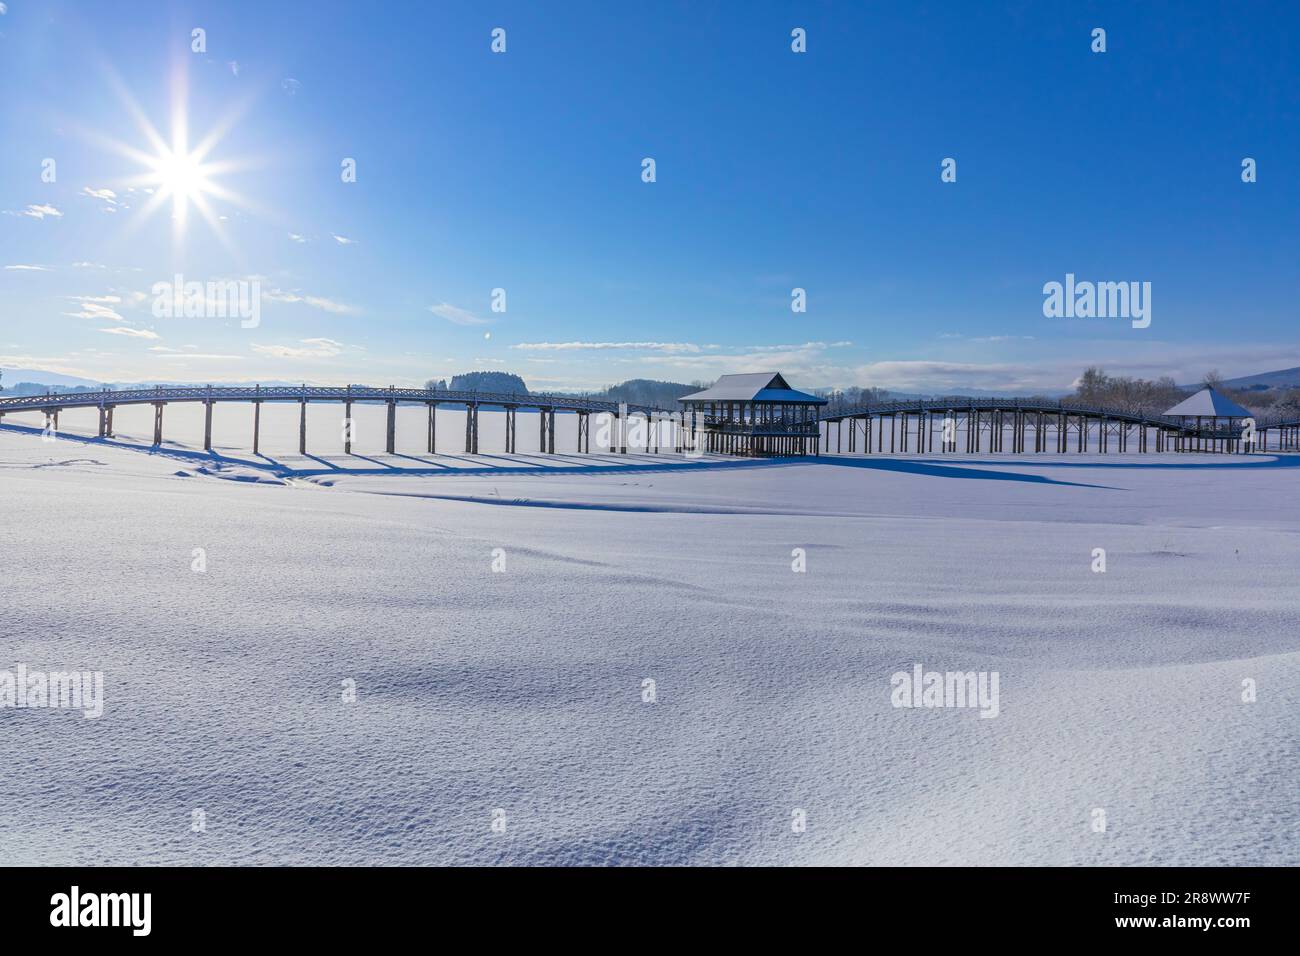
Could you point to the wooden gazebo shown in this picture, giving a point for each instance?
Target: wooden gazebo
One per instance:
(755, 414)
(1210, 420)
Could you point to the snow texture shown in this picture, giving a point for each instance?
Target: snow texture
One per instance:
(522, 690)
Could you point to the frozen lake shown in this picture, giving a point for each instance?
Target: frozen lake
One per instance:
(501, 615)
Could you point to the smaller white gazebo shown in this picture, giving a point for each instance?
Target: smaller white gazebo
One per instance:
(1202, 413)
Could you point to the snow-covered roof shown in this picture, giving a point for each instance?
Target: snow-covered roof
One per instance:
(753, 387)
(1208, 403)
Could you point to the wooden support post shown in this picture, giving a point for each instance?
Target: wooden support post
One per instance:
(157, 423)
(109, 424)
(257, 427)
(347, 427)
(550, 432)
(475, 428)
(302, 426)
(101, 421)
(390, 442)
(207, 425)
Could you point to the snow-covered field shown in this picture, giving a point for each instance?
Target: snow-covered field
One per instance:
(522, 690)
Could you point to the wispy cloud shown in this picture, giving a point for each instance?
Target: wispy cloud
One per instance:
(201, 356)
(987, 338)
(307, 348)
(35, 211)
(22, 268)
(808, 365)
(98, 307)
(315, 301)
(457, 315)
(343, 240)
(671, 347)
(806, 346)
(133, 333)
(297, 238)
(106, 196)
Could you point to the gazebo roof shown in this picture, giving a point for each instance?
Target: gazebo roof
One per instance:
(753, 387)
(1207, 403)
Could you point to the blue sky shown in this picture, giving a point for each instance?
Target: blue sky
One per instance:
(775, 170)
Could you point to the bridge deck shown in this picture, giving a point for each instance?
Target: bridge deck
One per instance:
(1051, 425)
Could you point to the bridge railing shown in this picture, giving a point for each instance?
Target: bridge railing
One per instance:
(958, 404)
(295, 393)
(364, 393)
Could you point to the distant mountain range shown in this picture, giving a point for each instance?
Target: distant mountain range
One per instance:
(636, 391)
(34, 381)
(36, 376)
(1283, 379)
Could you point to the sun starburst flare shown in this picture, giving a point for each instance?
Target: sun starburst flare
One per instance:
(174, 171)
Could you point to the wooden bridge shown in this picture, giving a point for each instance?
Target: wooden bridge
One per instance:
(913, 427)
(160, 397)
(985, 424)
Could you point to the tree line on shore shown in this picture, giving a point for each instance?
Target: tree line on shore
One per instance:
(1117, 393)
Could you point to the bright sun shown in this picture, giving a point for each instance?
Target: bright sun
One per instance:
(176, 172)
(180, 176)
